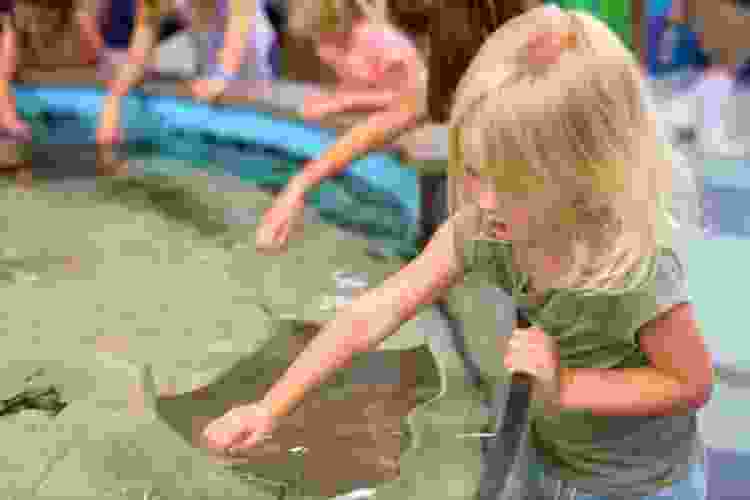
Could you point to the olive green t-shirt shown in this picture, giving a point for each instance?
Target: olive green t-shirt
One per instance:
(623, 456)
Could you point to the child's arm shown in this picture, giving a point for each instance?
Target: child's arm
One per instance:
(370, 319)
(317, 107)
(240, 22)
(88, 16)
(275, 230)
(7, 49)
(9, 119)
(376, 130)
(680, 376)
(142, 45)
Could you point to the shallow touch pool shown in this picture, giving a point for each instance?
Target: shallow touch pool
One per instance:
(376, 198)
(103, 276)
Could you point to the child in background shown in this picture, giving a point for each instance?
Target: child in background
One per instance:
(378, 67)
(236, 32)
(39, 34)
(558, 175)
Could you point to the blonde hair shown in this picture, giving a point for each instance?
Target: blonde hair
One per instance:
(573, 136)
(312, 18)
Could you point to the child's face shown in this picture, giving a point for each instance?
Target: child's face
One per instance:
(508, 215)
(366, 55)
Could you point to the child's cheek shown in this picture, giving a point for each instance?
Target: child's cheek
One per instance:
(471, 187)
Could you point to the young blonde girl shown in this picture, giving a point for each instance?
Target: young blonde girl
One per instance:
(557, 171)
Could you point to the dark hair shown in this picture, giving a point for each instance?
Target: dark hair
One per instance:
(457, 30)
(411, 16)
(30, 37)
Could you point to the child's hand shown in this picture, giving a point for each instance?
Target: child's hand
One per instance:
(240, 429)
(532, 351)
(317, 106)
(273, 232)
(208, 90)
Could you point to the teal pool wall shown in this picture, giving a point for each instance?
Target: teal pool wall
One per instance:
(164, 121)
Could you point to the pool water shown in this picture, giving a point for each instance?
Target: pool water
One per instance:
(116, 260)
(345, 200)
(103, 275)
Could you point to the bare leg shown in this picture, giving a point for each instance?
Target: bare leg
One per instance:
(127, 74)
(9, 119)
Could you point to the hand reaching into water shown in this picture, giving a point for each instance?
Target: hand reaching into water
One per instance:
(240, 429)
(276, 227)
(109, 132)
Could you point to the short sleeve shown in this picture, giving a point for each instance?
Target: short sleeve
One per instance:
(670, 281)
